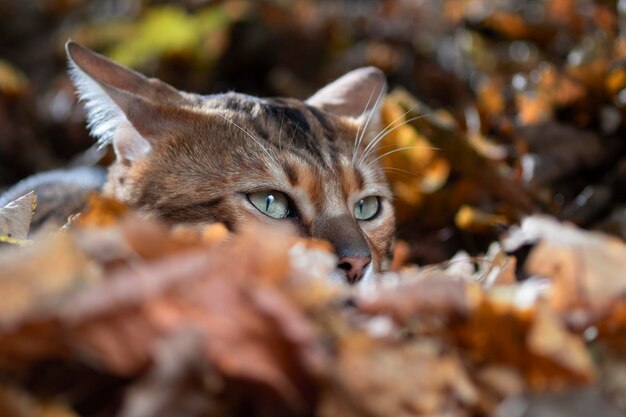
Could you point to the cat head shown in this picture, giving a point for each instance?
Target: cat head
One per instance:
(237, 159)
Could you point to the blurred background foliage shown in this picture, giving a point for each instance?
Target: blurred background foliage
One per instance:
(534, 93)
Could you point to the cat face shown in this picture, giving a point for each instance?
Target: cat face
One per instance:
(237, 159)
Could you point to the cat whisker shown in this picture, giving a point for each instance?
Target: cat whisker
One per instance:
(369, 119)
(295, 129)
(390, 127)
(380, 137)
(358, 131)
(280, 132)
(250, 135)
(376, 139)
(393, 145)
(398, 170)
(404, 148)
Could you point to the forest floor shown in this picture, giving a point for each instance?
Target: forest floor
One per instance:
(507, 291)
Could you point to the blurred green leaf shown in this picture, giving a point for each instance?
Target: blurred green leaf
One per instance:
(169, 29)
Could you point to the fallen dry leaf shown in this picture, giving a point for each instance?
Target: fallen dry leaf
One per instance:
(177, 382)
(382, 378)
(470, 218)
(16, 216)
(548, 338)
(118, 316)
(575, 402)
(101, 211)
(585, 268)
(248, 327)
(409, 159)
(434, 292)
(27, 291)
(455, 147)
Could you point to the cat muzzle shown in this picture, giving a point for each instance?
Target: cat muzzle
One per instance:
(354, 267)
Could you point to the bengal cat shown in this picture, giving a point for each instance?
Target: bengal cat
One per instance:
(238, 159)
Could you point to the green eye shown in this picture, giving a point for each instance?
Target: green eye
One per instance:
(271, 203)
(366, 208)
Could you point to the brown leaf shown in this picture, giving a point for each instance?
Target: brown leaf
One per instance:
(37, 278)
(178, 382)
(412, 165)
(533, 108)
(472, 219)
(574, 402)
(585, 268)
(464, 159)
(549, 339)
(249, 329)
(101, 211)
(535, 344)
(434, 293)
(389, 379)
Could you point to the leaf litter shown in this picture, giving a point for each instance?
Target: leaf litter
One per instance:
(115, 315)
(204, 323)
(15, 219)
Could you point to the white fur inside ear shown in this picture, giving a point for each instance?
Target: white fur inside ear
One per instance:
(129, 144)
(104, 116)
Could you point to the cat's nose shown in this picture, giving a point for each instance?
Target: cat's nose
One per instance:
(354, 267)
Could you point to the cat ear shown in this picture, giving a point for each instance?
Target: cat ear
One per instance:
(357, 94)
(123, 107)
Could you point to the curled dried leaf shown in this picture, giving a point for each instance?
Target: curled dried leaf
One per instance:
(16, 216)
